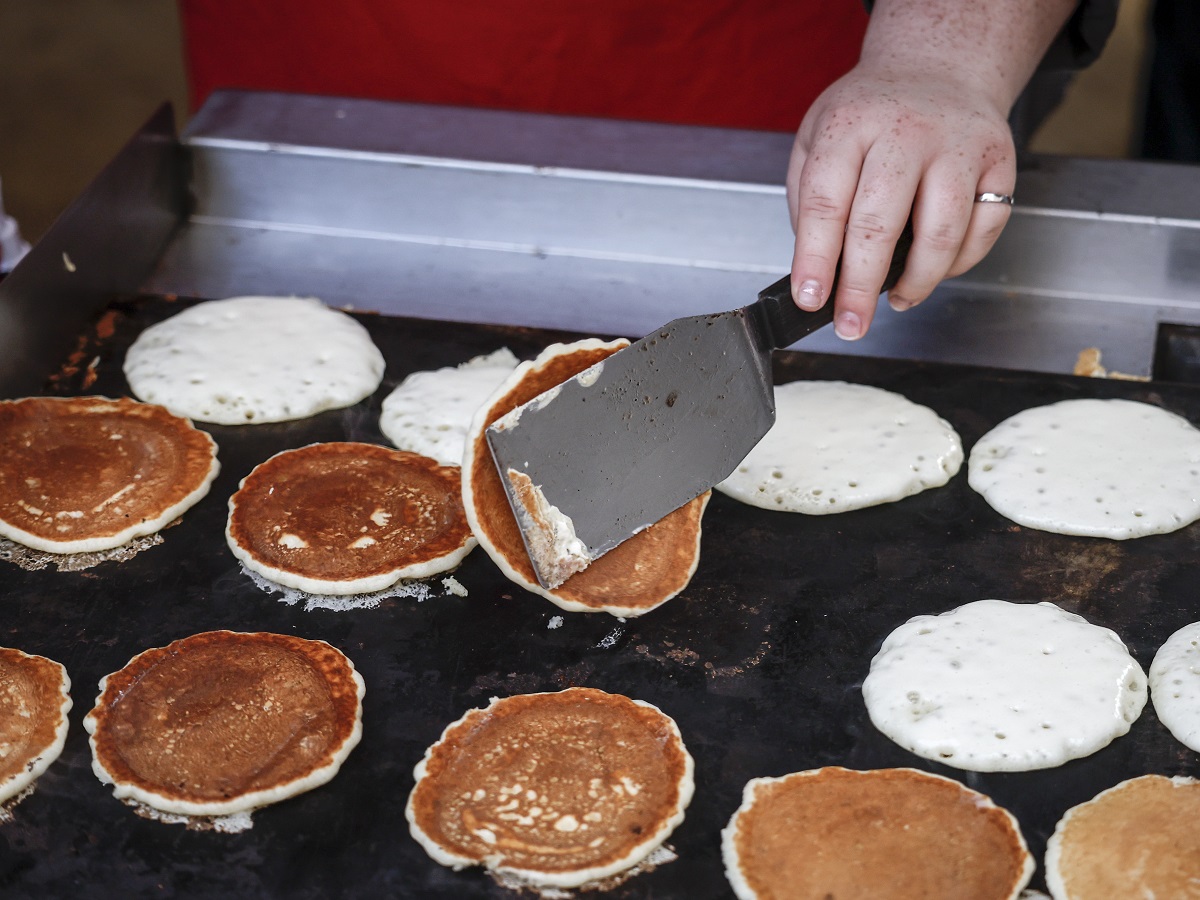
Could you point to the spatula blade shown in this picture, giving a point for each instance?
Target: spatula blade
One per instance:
(611, 451)
(623, 444)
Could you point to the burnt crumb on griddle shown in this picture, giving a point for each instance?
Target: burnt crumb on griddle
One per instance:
(78, 372)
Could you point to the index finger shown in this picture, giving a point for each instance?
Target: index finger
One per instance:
(825, 192)
(882, 204)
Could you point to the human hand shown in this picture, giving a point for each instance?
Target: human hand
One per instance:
(878, 144)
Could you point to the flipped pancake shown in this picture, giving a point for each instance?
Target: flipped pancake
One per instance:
(348, 518)
(248, 360)
(836, 832)
(1137, 839)
(556, 789)
(640, 574)
(223, 722)
(34, 703)
(994, 686)
(81, 474)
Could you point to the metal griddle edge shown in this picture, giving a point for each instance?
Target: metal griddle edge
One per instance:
(760, 660)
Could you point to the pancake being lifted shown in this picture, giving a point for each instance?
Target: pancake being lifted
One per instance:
(34, 702)
(249, 360)
(836, 446)
(642, 573)
(835, 832)
(225, 722)
(348, 518)
(1100, 468)
(1138, 839)
(1003, 687)
(81, 474)
(552, 790)
(1175, 685)
(430, 412)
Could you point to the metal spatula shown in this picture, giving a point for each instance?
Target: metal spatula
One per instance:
(650, 428)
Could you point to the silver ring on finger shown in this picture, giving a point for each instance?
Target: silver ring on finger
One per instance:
(989, 197)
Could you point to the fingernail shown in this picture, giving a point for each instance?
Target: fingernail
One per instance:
(809, 295)
(848, 326)
(898, 303)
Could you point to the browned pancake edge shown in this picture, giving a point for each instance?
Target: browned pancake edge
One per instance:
(34, 702)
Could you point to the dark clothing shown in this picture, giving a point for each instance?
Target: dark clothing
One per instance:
(1171, 129)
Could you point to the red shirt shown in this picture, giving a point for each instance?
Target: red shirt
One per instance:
(737, 63)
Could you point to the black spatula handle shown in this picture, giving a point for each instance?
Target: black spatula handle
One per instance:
(786, 323)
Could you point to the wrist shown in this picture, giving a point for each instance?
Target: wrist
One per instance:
(987, 47)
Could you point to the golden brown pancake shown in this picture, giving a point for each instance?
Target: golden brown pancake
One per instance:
(899, 833)
(1138, 839)
(33, 718)
(80, 474)
(557, 789)
(640, 574)
(349, 518)
(223, 722)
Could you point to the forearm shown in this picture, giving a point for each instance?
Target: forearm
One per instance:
(993, 46)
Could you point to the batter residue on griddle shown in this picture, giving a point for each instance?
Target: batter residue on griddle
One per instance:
(80, 474)
(222, 721)
(559, 788)
(349, 518)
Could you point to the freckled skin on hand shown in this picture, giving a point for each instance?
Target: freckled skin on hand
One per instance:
(918, 126)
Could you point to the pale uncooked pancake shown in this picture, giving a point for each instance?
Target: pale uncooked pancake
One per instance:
(836, 832)
(1101, 468)
(81, 474)
(34, 702)
(1136, 840)
(642, 573)
(556, 789)
(994, 686)
(835, 447)
(429, 412)
(1175, 685)
(248, 360)
(348, 518)
(224, 722)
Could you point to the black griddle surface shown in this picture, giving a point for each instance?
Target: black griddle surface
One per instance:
(760, 660)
